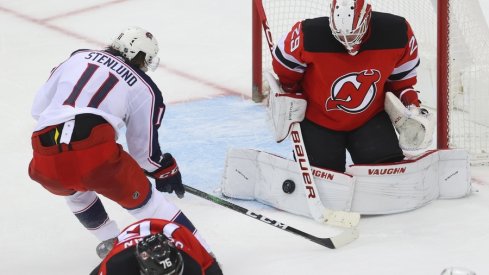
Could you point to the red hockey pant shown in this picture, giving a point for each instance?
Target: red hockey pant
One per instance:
(96, 163)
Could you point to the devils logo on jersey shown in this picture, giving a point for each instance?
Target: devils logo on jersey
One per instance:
(353, 92)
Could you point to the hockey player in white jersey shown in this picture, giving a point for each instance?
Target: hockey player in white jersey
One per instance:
(85, 101)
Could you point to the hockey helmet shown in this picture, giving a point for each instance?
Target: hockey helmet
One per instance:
(133, 40)
(349, 21)
(157, 255)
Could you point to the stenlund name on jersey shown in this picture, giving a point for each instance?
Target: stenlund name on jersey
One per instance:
(114, 64)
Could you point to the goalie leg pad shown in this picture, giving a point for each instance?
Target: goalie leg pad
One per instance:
(373, 190)
(397, 187)
(251, 174)
(454, 173)
(241, 174)
(410, 184)
(370, 190)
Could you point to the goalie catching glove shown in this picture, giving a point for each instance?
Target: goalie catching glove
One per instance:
(168, 177)
(285, 108)
(414, 125)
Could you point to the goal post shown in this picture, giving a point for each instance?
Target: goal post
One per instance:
(442, 74)
(257, 77)
(453, 39)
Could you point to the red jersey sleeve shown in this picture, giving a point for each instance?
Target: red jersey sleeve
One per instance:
(404, 75)
(287, 59)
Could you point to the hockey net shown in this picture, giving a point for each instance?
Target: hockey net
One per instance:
(454, 82)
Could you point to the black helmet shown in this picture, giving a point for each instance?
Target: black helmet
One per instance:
(157, 255)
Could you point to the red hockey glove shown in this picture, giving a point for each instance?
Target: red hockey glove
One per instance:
(168, 177)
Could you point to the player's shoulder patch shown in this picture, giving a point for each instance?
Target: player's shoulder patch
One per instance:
(387, 31)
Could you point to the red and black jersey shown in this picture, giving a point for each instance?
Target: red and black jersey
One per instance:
(344, 91)
(122, 258)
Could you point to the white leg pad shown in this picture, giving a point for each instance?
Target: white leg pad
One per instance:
(241, 174)
(454, 173)
(366, 189)
(410, 184)
(251, 174)
(394, 188)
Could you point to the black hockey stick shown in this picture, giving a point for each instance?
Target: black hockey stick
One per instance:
(342, 239)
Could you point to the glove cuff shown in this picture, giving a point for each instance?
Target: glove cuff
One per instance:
(291, 87)
(409, 97)
(168, 168)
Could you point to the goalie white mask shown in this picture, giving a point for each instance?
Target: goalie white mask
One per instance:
(349, 22)
(133, 40)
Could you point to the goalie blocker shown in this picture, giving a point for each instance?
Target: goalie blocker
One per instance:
(367, 189)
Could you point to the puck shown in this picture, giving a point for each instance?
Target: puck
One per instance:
(288, 186)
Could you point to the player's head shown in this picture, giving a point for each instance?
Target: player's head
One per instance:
(349, 22)
(157, 255)
(138, 46)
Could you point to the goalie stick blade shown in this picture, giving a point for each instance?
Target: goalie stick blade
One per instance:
(345, 237)
(341, 218)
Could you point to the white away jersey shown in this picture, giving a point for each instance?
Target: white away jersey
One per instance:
(97, 82)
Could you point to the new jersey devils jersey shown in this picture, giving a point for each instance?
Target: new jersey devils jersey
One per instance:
(122, 258)
(100, 83)
(344, 91)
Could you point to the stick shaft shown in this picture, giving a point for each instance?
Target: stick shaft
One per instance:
(334, 242)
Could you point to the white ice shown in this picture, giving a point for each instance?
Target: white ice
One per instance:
(205, 76)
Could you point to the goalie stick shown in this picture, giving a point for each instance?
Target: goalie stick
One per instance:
(316, 207)
(337, 241)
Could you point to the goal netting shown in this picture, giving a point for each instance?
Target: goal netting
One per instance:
(454, 49)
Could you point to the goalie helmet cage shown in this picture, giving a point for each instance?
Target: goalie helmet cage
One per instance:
(452, 78)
